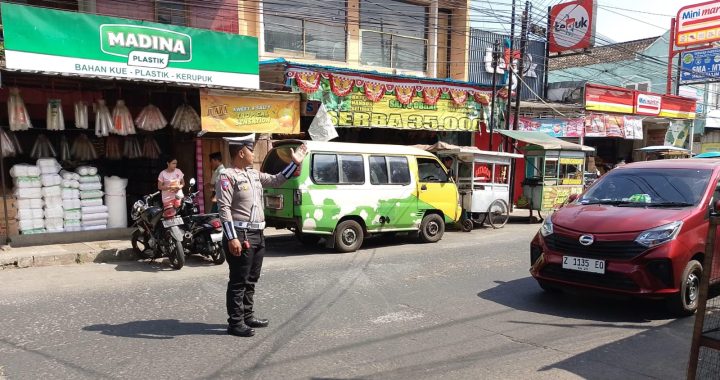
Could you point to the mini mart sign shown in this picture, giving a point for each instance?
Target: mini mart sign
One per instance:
(698, 24)
(75, 43)
(647, 104)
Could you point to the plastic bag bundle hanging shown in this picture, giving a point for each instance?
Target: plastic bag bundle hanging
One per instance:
(8, 148)
(81, 115)
(103, 120)
(150, 119)
(18, 114)
(55, 119)
(186, 119)
(83, 149)
(113, 149)
(15, 143)
(42, 148)
(123, 124)
(64, 149)
(132, 148)
(151, 149)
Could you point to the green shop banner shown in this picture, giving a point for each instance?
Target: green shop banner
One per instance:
(357, 110)
(45, 40)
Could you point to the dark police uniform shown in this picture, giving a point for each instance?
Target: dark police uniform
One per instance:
(240, 202)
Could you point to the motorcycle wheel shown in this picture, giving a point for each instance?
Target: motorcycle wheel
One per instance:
(177, 254)
(141, 245)
(218, 255)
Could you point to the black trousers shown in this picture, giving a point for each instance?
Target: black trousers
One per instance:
(244, 274)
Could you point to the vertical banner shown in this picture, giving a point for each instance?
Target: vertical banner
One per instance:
(199, 169)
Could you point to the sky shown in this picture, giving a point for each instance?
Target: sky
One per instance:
(635, 20)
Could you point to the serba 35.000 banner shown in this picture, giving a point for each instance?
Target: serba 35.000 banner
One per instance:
(356, 110)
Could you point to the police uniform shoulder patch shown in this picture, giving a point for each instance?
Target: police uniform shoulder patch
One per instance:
(224, 182)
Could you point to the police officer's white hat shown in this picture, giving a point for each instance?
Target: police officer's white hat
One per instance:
(248, 140)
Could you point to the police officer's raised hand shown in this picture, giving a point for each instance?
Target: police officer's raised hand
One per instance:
(235, 247)
(298, 155)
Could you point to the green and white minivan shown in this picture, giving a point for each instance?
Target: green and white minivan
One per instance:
(347, 191)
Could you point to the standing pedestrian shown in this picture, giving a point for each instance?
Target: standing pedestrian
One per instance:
(170, 183)
(217, 166)
(240, 200)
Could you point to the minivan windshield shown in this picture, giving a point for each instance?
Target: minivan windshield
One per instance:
(649, 188)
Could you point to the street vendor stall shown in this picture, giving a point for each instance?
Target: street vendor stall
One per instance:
(661, 152)
(554, 170)
(483, 180)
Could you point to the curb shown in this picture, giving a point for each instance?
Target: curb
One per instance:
(96, 252)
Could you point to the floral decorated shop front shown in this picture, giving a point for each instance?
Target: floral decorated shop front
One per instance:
(371, 107)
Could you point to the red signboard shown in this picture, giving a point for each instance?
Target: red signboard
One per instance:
(609, 99)
(698, 24)
(572, 26)
(627, 101)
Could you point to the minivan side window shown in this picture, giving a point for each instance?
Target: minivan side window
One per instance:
(399, 170)
(430, 170)
(352, 169)
(338, 169)
(378, 170)
(325, 168)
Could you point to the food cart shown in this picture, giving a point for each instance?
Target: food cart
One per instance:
(554, 170)
(483, 180)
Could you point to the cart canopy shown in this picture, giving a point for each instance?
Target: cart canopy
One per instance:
(545, 141)
(445, 148)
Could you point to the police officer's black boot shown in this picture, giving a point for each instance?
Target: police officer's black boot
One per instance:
(241, 330)
(257, 322)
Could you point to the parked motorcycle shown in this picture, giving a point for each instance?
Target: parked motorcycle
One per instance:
(203, 232)
(158, 231)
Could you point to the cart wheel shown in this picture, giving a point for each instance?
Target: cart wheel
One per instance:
(498, 213)
(467, 225)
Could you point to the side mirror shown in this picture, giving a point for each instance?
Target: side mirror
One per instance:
(192, 182)
(715, 207)
(572, 198)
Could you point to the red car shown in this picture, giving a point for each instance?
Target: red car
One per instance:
(639, 230)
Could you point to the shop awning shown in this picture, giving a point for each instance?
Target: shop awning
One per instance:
(545, 141)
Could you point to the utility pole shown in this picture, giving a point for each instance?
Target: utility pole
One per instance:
(495, 63)
(521, 68)
(510, 69)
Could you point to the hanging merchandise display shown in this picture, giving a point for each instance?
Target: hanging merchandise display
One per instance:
(18, 114)
(55, 120)
(123, 123)
(42, 148)
(132, 148)
(150, 119)
(81, 115)
(8, 147)
(151, 149)
(186, 119)
(83, 149)
(64, 149)
(103, 119)
(113, 148)
(16, 143)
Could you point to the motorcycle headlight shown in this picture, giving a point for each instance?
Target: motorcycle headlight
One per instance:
(547, 227)
(659, 235)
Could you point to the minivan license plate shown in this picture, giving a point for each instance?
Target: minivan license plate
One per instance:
(584, 265)
(172, 222)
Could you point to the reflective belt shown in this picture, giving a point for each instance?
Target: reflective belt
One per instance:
(249, 225)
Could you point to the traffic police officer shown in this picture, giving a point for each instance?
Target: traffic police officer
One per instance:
(240, 202)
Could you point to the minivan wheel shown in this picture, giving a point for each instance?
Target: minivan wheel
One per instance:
(432, 228)
(348, 236)
(686, 301)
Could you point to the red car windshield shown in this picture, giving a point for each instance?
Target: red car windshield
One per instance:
(649, 187)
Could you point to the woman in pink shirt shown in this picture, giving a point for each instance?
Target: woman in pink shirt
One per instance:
(170, 183)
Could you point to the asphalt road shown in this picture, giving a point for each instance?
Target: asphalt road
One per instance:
(464, 308)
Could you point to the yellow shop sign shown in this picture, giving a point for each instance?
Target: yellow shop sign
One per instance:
(251, 112)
